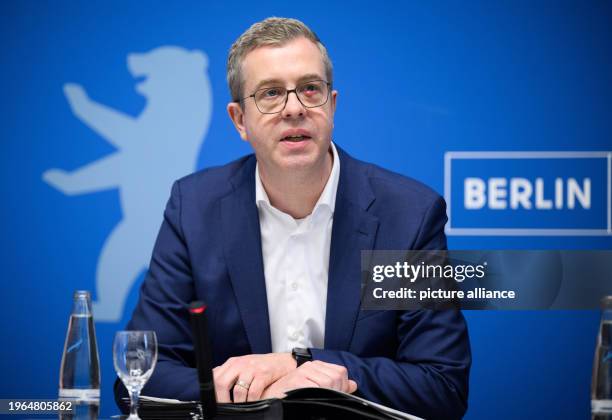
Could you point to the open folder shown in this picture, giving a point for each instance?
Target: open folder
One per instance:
(299, 404)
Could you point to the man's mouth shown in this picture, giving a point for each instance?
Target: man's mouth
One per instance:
(295, 139)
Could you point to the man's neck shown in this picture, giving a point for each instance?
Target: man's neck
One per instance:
(296, 193)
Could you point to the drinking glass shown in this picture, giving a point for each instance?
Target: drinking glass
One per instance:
(134, 356)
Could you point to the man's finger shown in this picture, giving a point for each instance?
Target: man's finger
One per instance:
(241, 388)
(352, 386)
(222, 395)
(320, 378)
(256, 389)
(224, 381)
(278, 389)
(337, 374)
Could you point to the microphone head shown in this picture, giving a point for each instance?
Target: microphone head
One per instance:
(197, 307)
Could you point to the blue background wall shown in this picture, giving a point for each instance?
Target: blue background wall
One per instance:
(415, 80)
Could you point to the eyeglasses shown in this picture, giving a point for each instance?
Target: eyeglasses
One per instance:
(272, 100)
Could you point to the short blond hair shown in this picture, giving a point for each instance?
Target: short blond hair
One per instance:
(273, 31)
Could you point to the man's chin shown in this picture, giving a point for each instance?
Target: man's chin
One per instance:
(304, 158)
(297, 162)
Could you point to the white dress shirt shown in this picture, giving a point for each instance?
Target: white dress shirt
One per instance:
(296, 261)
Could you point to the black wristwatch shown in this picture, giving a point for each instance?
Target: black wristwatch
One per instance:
(301, 356)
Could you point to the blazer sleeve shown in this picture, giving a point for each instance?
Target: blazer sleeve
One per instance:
(429, 375)
(162, 306)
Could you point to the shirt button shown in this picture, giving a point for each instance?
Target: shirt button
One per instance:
(294, 336)
(294, 286)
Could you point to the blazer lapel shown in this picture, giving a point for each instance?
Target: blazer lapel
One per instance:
(242, 247)
(354, 229)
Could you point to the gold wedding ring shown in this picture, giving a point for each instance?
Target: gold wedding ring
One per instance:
(243, 384)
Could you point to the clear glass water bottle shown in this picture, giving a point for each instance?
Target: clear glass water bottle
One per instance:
(80, 369)
(601, 387)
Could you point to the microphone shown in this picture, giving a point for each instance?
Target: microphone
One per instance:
(203, 355)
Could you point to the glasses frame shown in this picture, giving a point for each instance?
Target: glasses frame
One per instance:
(294, 90)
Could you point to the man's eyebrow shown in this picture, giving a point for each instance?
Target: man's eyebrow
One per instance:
(310, 77)
(277, 82)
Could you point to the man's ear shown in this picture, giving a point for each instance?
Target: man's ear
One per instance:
(236, 114)
(334, 98)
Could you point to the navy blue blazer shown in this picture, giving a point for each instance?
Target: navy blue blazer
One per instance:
(209, 248)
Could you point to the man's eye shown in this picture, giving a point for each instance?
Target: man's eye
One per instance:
(271, 93)
(311, 89)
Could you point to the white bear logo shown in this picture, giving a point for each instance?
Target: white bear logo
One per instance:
(153, 149)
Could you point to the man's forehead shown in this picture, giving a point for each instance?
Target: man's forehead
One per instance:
(294, 61)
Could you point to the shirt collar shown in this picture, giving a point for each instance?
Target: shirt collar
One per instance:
(327, 197)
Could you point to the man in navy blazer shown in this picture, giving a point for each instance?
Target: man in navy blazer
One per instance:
(210, 248)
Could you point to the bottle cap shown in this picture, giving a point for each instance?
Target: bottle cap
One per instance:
(82, 303)
(606, 302)
(81, 294)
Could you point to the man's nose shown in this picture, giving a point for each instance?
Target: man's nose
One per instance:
(293, 107)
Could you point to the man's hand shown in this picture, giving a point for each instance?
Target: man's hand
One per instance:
(312, 374)
(250, 375)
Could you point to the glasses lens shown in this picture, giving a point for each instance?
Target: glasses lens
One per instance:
(312, 94)
(270, 100)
